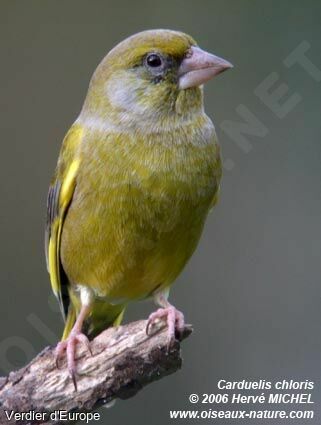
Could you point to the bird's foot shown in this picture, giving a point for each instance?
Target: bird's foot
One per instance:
(174, 318)
(69, 345)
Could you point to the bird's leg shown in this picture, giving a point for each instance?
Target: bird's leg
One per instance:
(174, 318)
(69, 344)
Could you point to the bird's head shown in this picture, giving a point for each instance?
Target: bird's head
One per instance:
(153, 77)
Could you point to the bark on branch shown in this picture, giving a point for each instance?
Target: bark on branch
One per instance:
(123, 361)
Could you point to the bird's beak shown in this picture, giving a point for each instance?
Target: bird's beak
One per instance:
(198, 67)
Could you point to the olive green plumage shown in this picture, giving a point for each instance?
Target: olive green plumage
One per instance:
(137, 175)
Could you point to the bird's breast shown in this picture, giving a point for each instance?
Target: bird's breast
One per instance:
(138, 211)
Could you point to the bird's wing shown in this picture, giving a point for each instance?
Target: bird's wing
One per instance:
(59, 198)
(218, 175)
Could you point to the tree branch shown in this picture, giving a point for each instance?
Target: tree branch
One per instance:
(123, 361)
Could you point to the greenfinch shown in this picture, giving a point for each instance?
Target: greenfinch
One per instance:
(138, 172)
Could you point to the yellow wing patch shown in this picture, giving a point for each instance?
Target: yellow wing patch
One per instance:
(59, 198)
(67, 188)
(64, 199)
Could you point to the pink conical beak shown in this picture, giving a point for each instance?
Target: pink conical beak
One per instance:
(200, 66)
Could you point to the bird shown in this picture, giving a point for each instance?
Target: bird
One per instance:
(138, 172)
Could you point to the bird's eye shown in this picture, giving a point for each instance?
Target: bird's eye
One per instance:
(153, 60)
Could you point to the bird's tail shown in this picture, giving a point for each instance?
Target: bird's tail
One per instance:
(103, 316)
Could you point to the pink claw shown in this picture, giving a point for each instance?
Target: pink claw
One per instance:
(69, 345)
(174, 318)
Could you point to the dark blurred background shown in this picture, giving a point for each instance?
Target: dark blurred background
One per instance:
(252, 290)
